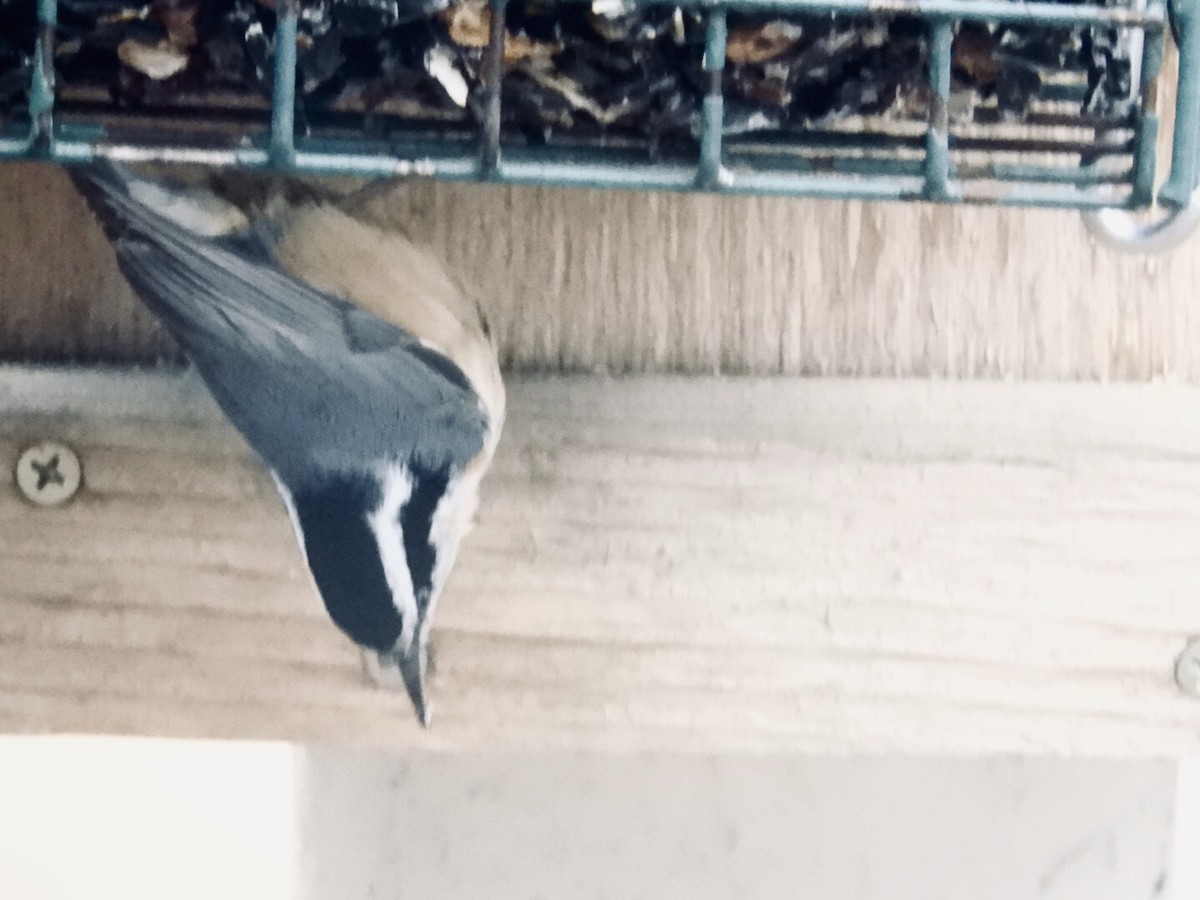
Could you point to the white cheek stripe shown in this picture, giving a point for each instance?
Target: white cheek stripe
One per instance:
(451, 521)
(389, 538)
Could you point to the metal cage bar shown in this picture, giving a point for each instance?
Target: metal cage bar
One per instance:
(937, 137)
(1011, 12)
(283, 85)
(815, 163)
(1181, 183)
(711, 170)
(41, 89)
(493, 75)
(1146, 133)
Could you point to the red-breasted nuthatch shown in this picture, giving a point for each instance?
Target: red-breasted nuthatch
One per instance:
(354, 365)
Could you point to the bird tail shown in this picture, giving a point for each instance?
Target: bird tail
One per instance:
(168, 237)
(121, 200)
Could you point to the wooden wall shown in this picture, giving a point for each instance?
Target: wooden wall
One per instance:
(661, 564)
(621, 282)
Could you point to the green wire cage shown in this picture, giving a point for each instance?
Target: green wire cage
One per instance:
(1107, 166)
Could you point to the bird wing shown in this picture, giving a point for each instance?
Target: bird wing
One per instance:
(310, 380)
(397, 279)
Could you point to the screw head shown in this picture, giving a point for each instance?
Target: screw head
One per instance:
(48, 473)
(1187, 669)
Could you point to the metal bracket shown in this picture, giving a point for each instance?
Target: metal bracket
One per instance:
(1179, 198)
(1121, 230)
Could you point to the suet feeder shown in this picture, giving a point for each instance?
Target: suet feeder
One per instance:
(1060, 106)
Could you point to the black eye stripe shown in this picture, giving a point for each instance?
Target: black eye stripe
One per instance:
(416, 516)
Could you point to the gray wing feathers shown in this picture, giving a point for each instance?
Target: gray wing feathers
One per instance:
(311, 381)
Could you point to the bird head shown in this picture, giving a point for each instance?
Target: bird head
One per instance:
(380, 545)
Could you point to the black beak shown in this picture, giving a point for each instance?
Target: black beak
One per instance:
(382, 668)
(412, 666)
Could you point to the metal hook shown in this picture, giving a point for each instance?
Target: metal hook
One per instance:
(1117, 228)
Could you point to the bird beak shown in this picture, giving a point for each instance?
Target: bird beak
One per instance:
(382, 668)
(412, 667)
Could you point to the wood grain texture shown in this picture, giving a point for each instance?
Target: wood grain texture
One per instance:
(62, 296)
(625, 283)
(667, 564)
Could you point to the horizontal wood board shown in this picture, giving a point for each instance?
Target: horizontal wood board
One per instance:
(710, 565)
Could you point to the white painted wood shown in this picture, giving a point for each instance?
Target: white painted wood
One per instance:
(660, 564)
(1184, 880)
(768, 828)
(142, 819)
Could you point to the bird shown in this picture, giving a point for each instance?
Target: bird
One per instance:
(353, 362)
